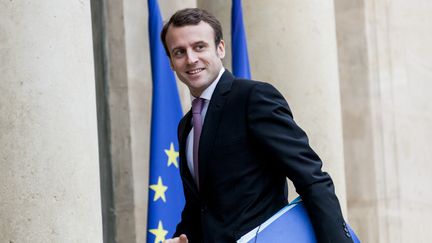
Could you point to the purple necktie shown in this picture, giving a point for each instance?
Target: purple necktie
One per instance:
(197, 106)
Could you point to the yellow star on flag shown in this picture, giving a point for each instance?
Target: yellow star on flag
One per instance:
(159, 189)
(160, 233)
(172, 155)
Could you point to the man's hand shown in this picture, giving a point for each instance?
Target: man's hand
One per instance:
(181, 239)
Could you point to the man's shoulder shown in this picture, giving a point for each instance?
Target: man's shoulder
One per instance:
(247, 83)
(228, 79)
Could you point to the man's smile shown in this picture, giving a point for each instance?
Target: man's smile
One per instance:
(195, 71)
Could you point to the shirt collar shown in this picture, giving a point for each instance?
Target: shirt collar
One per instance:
(208, 92)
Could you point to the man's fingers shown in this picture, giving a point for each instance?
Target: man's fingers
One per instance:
(183, 238)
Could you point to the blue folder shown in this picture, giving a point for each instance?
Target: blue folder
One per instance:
(290, 224)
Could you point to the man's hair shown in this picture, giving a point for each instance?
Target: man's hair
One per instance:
(192, 16)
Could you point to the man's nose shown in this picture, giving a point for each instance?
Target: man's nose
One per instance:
(191, 57)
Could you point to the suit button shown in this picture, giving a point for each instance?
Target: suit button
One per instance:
(346, 230)
(348, 235)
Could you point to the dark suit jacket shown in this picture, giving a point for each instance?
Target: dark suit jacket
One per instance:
(249, 144)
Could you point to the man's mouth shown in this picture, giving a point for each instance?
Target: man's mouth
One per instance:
(195, 71)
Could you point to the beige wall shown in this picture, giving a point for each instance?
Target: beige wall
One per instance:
(386, 77)
(357, 119)
(119, 130)
(49, 182)
(139, 86)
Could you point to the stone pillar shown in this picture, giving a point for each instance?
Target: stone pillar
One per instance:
(114, 121)
(292, 44)
(49, 186)
(139, 97)
(357, 120)
(386, 77)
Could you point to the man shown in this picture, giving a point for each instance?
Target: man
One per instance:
(238, 144)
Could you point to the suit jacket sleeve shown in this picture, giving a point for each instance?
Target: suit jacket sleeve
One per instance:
(286, 144)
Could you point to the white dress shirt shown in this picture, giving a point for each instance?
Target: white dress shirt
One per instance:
(206, 95)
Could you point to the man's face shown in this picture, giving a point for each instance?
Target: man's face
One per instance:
(194, 56)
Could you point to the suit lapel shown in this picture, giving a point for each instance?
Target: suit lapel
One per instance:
(211, 122)
(184, 130)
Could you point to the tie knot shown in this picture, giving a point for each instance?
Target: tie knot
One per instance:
(197, 105)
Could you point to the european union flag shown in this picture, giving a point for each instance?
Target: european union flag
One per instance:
(240, 58)
(166, 198)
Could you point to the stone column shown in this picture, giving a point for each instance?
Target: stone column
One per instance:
(357, 119)
(49, 185)
(386, 79)
(114, 121)
(292, 44)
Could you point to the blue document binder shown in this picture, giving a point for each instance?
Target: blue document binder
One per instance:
(290, 224)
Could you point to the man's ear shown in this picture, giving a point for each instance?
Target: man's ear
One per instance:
(221, 49)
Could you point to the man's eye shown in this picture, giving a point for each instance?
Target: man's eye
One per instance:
(178, 53)
(199, 47)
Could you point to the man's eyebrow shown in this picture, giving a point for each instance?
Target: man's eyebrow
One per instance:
(200, 42)
(194, 44)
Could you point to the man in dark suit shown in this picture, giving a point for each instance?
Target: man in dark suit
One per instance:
(238, 144)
